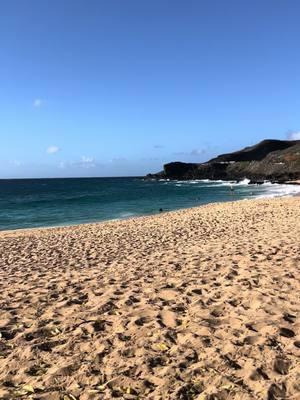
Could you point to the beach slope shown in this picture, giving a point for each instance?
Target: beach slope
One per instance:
(195, 304)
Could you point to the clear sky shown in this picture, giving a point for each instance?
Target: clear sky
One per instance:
(119, 87)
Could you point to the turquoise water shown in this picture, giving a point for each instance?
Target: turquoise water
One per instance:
(52, 202)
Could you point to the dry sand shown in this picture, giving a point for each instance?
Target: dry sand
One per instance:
(196, 304)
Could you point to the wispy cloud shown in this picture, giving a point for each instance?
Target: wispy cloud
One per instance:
(62, 165)
(197, 152)
(37, 103)
(84, 162)
(52, 149)
(192, 153)
(118, 160)
(87, 162)
(293, 135)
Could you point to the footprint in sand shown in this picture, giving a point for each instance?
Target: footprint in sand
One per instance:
(277, 391)
(168, 295)
(281, 366)
(259, 374)
(288, 333)
(289, 318)
(168, 318)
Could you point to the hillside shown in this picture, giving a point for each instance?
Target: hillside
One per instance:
(274, 160)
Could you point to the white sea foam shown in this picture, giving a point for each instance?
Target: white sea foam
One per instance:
(264, 190)
(270, 190)
(128, 214)
(244, 182)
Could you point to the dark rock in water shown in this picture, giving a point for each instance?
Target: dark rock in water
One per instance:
(254, 182)
(272, 160)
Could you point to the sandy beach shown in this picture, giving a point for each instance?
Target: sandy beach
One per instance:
(195, 304)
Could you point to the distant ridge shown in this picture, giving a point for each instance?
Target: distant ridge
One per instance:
(270, 159)
(256, 152)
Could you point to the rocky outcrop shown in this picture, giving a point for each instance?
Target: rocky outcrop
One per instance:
(274, 160)
(257, 152)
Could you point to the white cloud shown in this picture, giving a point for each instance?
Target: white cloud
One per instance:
(37, 103)
(118, 160)
(52, 149)
(87, 162)
(197, 152)
(84, 162)
(192, 153)
(294, 135)
(62, 165)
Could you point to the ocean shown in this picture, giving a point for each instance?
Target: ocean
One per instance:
(30, 203)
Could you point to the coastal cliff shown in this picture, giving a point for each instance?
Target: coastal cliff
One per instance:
(274, 160)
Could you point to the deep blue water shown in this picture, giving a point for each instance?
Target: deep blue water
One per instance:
(51, 202)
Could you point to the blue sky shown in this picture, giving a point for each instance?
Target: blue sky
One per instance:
(104, 88)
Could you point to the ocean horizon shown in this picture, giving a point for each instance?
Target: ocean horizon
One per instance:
(49, 202)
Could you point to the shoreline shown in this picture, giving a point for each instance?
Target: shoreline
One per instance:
(117, 220)
(110, 221)
(164, 306)
(259, 197)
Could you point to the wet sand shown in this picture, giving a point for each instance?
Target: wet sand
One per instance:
(195, 304)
